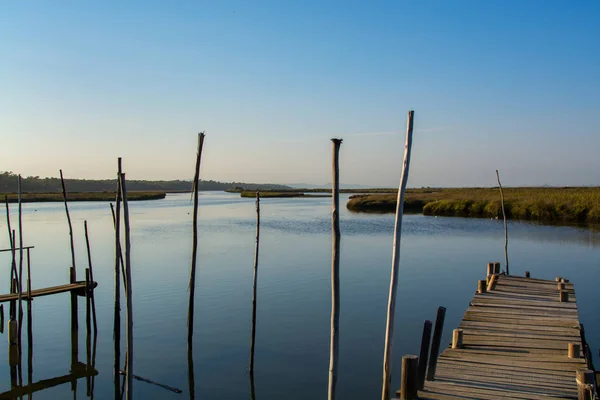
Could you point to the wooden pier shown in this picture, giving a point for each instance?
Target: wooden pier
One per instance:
(520, 338)
(77, 287)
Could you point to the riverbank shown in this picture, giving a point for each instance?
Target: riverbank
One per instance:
(548, 205)
(285, 194)
(81, 196)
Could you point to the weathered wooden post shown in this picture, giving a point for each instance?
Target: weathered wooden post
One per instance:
(574, 350)
(1, 318)
(505, 226)
(585, 384)
(490, 269)
(558, 278)
(128, 292)
(335, 270)
(254, 284)
(564, 296)
(424, 354)
(192, 285)
(492, 282)
(91, 277)
(457, 339)
(20, 297)
(481, 287)
(408, 381)
(73, 271)
(560, 285)
(435, 344)
(527, 274)
(496, 267)
(391, 309)
(117, 294)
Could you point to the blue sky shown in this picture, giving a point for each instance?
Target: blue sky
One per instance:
(508, 85)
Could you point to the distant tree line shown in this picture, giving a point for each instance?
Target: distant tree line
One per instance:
(35, 184)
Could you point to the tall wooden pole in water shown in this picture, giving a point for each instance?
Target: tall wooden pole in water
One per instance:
(19, 193)
(117, 310)
(391, 310)
(505, 226)
(13, 270)
(335, 270)
(91, 280)
(192, 287)
(254, 282)
(128, 292)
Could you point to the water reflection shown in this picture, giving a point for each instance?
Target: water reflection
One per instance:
(78, 370)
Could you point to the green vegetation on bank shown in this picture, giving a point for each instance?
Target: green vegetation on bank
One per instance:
(87, 196)
(267, 194)
(550, 205)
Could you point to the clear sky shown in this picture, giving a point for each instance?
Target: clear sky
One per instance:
(508, 85)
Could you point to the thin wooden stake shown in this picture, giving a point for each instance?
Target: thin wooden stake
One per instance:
(391, 309)
(120, 250)
(254, 283)
(335, 271)
(505, 226)
(117, 275)
(73, 271)
(13, 270)
(91, 269)
(192, 286)
(20, 297)
(129, 311)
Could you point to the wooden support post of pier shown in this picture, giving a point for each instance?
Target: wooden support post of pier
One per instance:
(564, 296)
(481, 287)
(457, 339)
(435, 344)
(574, 350)
(527, 274)
(408, 382)
(492, 282)
(585, 384)
(563, 280)
(490, 269)
(560, 285)
(558, 278)
(424, 354)
(496, 267)
(12, 331)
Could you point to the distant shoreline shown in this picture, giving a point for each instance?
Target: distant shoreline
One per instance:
(545, 205)
(81, 196)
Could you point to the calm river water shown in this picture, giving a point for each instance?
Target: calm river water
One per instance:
(441, 261)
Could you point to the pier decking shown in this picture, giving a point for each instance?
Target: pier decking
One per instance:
(515, 340)
(78, 287)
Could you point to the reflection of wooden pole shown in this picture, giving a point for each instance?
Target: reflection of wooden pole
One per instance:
(29, 324)
(117, 310)
(91, 277)
(88, 329)
(192, 286)
(255, 278)
(335, 271)
(391, 309)
(129, 311)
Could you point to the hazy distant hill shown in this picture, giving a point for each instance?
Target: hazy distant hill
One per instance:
(8, 184)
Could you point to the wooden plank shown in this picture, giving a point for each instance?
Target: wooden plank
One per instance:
(78, 286)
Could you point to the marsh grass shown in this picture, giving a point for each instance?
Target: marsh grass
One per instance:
(268, 194)
(566, 204)
(85, 196)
